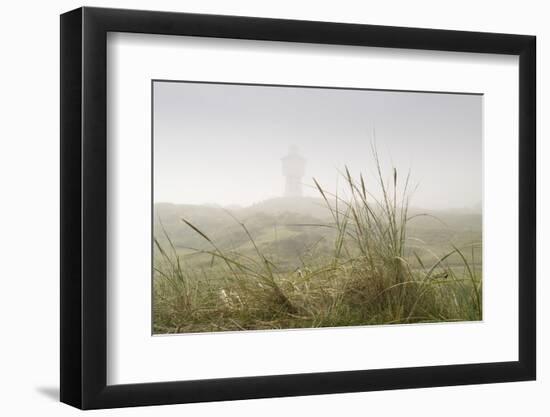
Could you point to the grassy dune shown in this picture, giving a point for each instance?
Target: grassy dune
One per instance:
(359, 267)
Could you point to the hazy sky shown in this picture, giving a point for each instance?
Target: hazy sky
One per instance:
(222, 144)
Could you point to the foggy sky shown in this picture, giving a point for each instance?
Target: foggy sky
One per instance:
(222, 144)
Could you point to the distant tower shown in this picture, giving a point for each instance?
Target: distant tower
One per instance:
(293, 169)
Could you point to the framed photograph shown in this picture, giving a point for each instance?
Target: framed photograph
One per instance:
(256, 208)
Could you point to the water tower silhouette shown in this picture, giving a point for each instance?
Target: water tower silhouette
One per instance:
(294, 166)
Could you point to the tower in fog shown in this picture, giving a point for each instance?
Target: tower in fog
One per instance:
(293, 170)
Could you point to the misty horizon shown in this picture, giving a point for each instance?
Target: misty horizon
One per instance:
(223, 144)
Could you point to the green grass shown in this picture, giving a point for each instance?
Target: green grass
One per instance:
(373, 272)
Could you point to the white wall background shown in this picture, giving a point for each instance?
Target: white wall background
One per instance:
(29, 176)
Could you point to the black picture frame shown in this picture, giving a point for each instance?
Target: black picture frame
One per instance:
(84, 207)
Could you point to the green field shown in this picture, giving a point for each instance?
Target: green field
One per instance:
(321, 261)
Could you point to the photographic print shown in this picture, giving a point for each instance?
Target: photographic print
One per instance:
(287, 207)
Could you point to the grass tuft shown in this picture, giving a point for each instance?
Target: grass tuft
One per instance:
(374, 275)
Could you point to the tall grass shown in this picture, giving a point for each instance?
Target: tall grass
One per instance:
(374, 275)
